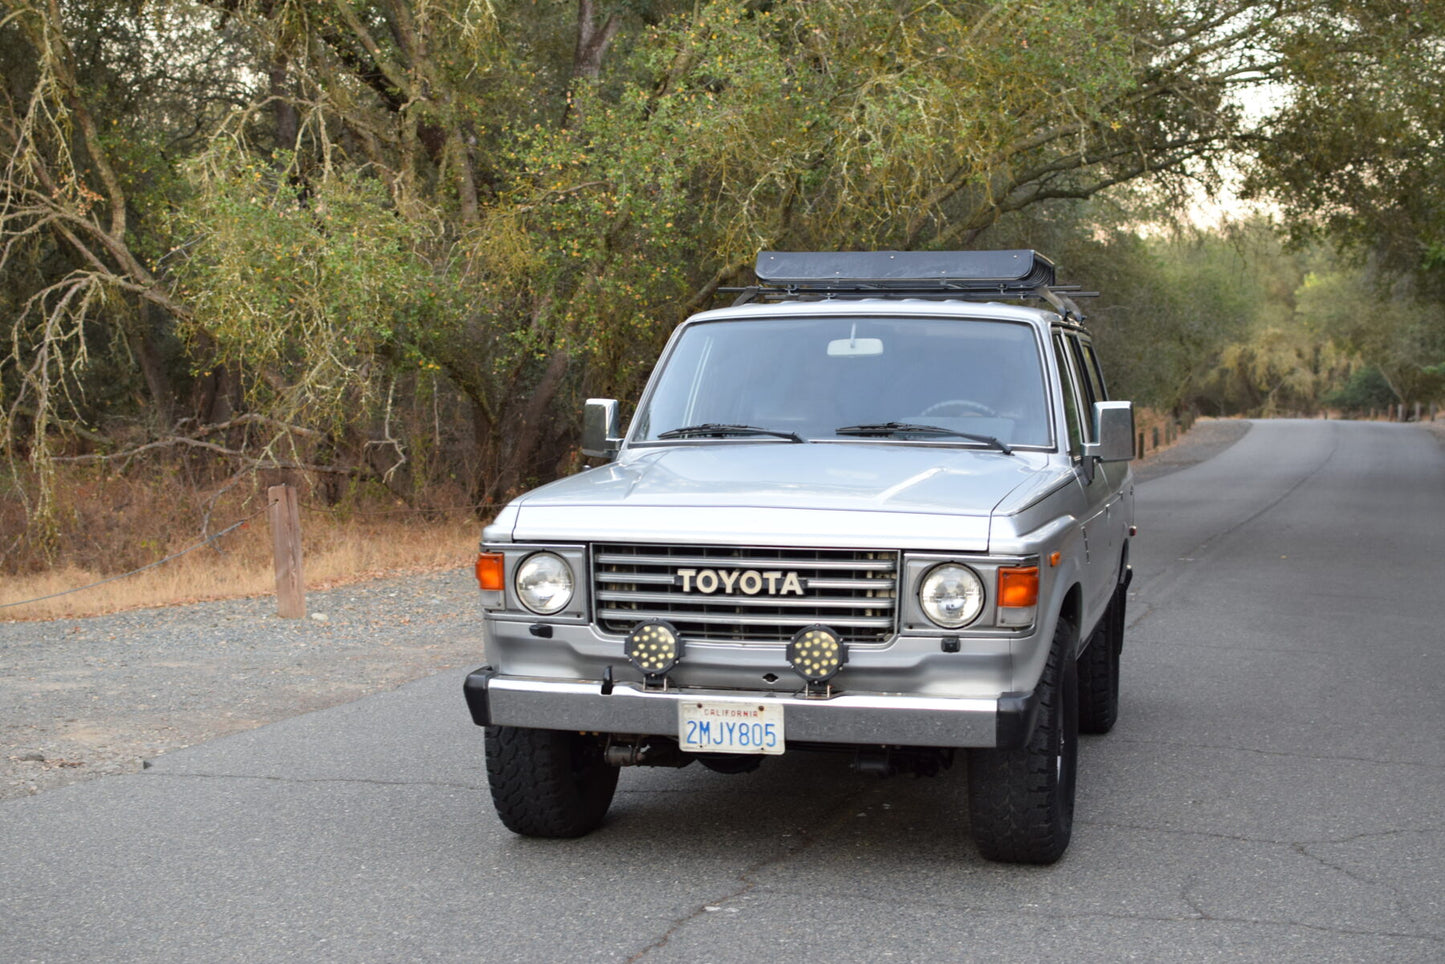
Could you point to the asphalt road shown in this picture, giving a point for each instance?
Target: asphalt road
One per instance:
(1274, 790)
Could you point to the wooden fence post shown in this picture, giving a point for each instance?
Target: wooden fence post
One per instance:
(285, 516)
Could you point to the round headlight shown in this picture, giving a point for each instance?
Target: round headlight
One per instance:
(544, 583)
(951, 595)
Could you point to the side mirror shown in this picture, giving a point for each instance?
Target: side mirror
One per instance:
(601, 428)
(1114, 429)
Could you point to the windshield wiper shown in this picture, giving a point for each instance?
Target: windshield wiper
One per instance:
(717, 430)
(879, 429)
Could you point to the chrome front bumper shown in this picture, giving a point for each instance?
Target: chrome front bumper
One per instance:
(869, 719)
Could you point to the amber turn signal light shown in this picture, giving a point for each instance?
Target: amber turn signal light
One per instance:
(490, 571)
(1018, 587)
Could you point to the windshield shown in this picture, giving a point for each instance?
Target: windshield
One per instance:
(811, 377)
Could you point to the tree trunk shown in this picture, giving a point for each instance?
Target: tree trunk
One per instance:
(483, 489)
(288, 121)
(593, 39)
(520, 459)
(142, 336)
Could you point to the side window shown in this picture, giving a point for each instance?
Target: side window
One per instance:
(1089, 388)
(1092, 372)
(1068, 383)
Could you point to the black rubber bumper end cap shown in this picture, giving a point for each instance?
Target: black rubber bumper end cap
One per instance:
(475, 689)
(1017, 714)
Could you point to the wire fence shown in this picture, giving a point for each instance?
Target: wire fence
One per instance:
(431, 510)
(150, 565)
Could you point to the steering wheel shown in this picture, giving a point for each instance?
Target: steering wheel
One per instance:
(968, 407)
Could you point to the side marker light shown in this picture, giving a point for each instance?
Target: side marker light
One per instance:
(1018, 595)
(1019, 587)
(490, 571)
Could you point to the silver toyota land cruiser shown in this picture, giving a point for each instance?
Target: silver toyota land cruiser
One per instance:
(880, 505)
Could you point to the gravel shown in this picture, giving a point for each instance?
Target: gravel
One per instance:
(80, 698)
(86, 697)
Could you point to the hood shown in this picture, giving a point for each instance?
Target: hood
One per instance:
(910, 496)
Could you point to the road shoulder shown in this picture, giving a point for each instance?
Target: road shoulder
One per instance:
(1205, 439)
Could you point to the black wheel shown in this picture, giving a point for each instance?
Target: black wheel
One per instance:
(1099, 670)
(548, 783)
(1021, 801)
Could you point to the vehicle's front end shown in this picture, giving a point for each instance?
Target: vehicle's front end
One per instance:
(935, 634)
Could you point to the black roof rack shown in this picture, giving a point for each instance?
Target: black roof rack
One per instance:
(938, 275)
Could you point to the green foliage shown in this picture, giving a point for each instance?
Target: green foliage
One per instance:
(305, 285)
(1383, 321)
(1231, 322)
(1366, 391)
(583, 215)
(337, 208)
(1355, 154)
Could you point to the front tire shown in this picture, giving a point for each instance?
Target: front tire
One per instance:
(548, 783)
(1021, 800)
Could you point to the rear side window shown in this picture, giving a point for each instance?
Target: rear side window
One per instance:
(1090, 364)
(1088, 389)
(1069, 383)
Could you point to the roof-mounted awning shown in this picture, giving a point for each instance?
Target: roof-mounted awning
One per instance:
(906, 270)
(935, 275)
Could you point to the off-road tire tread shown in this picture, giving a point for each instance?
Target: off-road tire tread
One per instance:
(1017, 813)
(548, 783)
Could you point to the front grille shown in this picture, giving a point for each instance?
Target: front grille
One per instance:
(854, 593)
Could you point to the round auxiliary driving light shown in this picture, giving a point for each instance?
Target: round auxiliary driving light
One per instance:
(653, 647)
(951, 595)
(544, 583)
(816, 654)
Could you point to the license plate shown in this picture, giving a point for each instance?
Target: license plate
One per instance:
(705, 727)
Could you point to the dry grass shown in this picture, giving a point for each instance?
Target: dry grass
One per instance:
(109, 524)
(335, 552)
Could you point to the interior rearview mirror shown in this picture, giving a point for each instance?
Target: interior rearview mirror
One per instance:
(848, 347)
